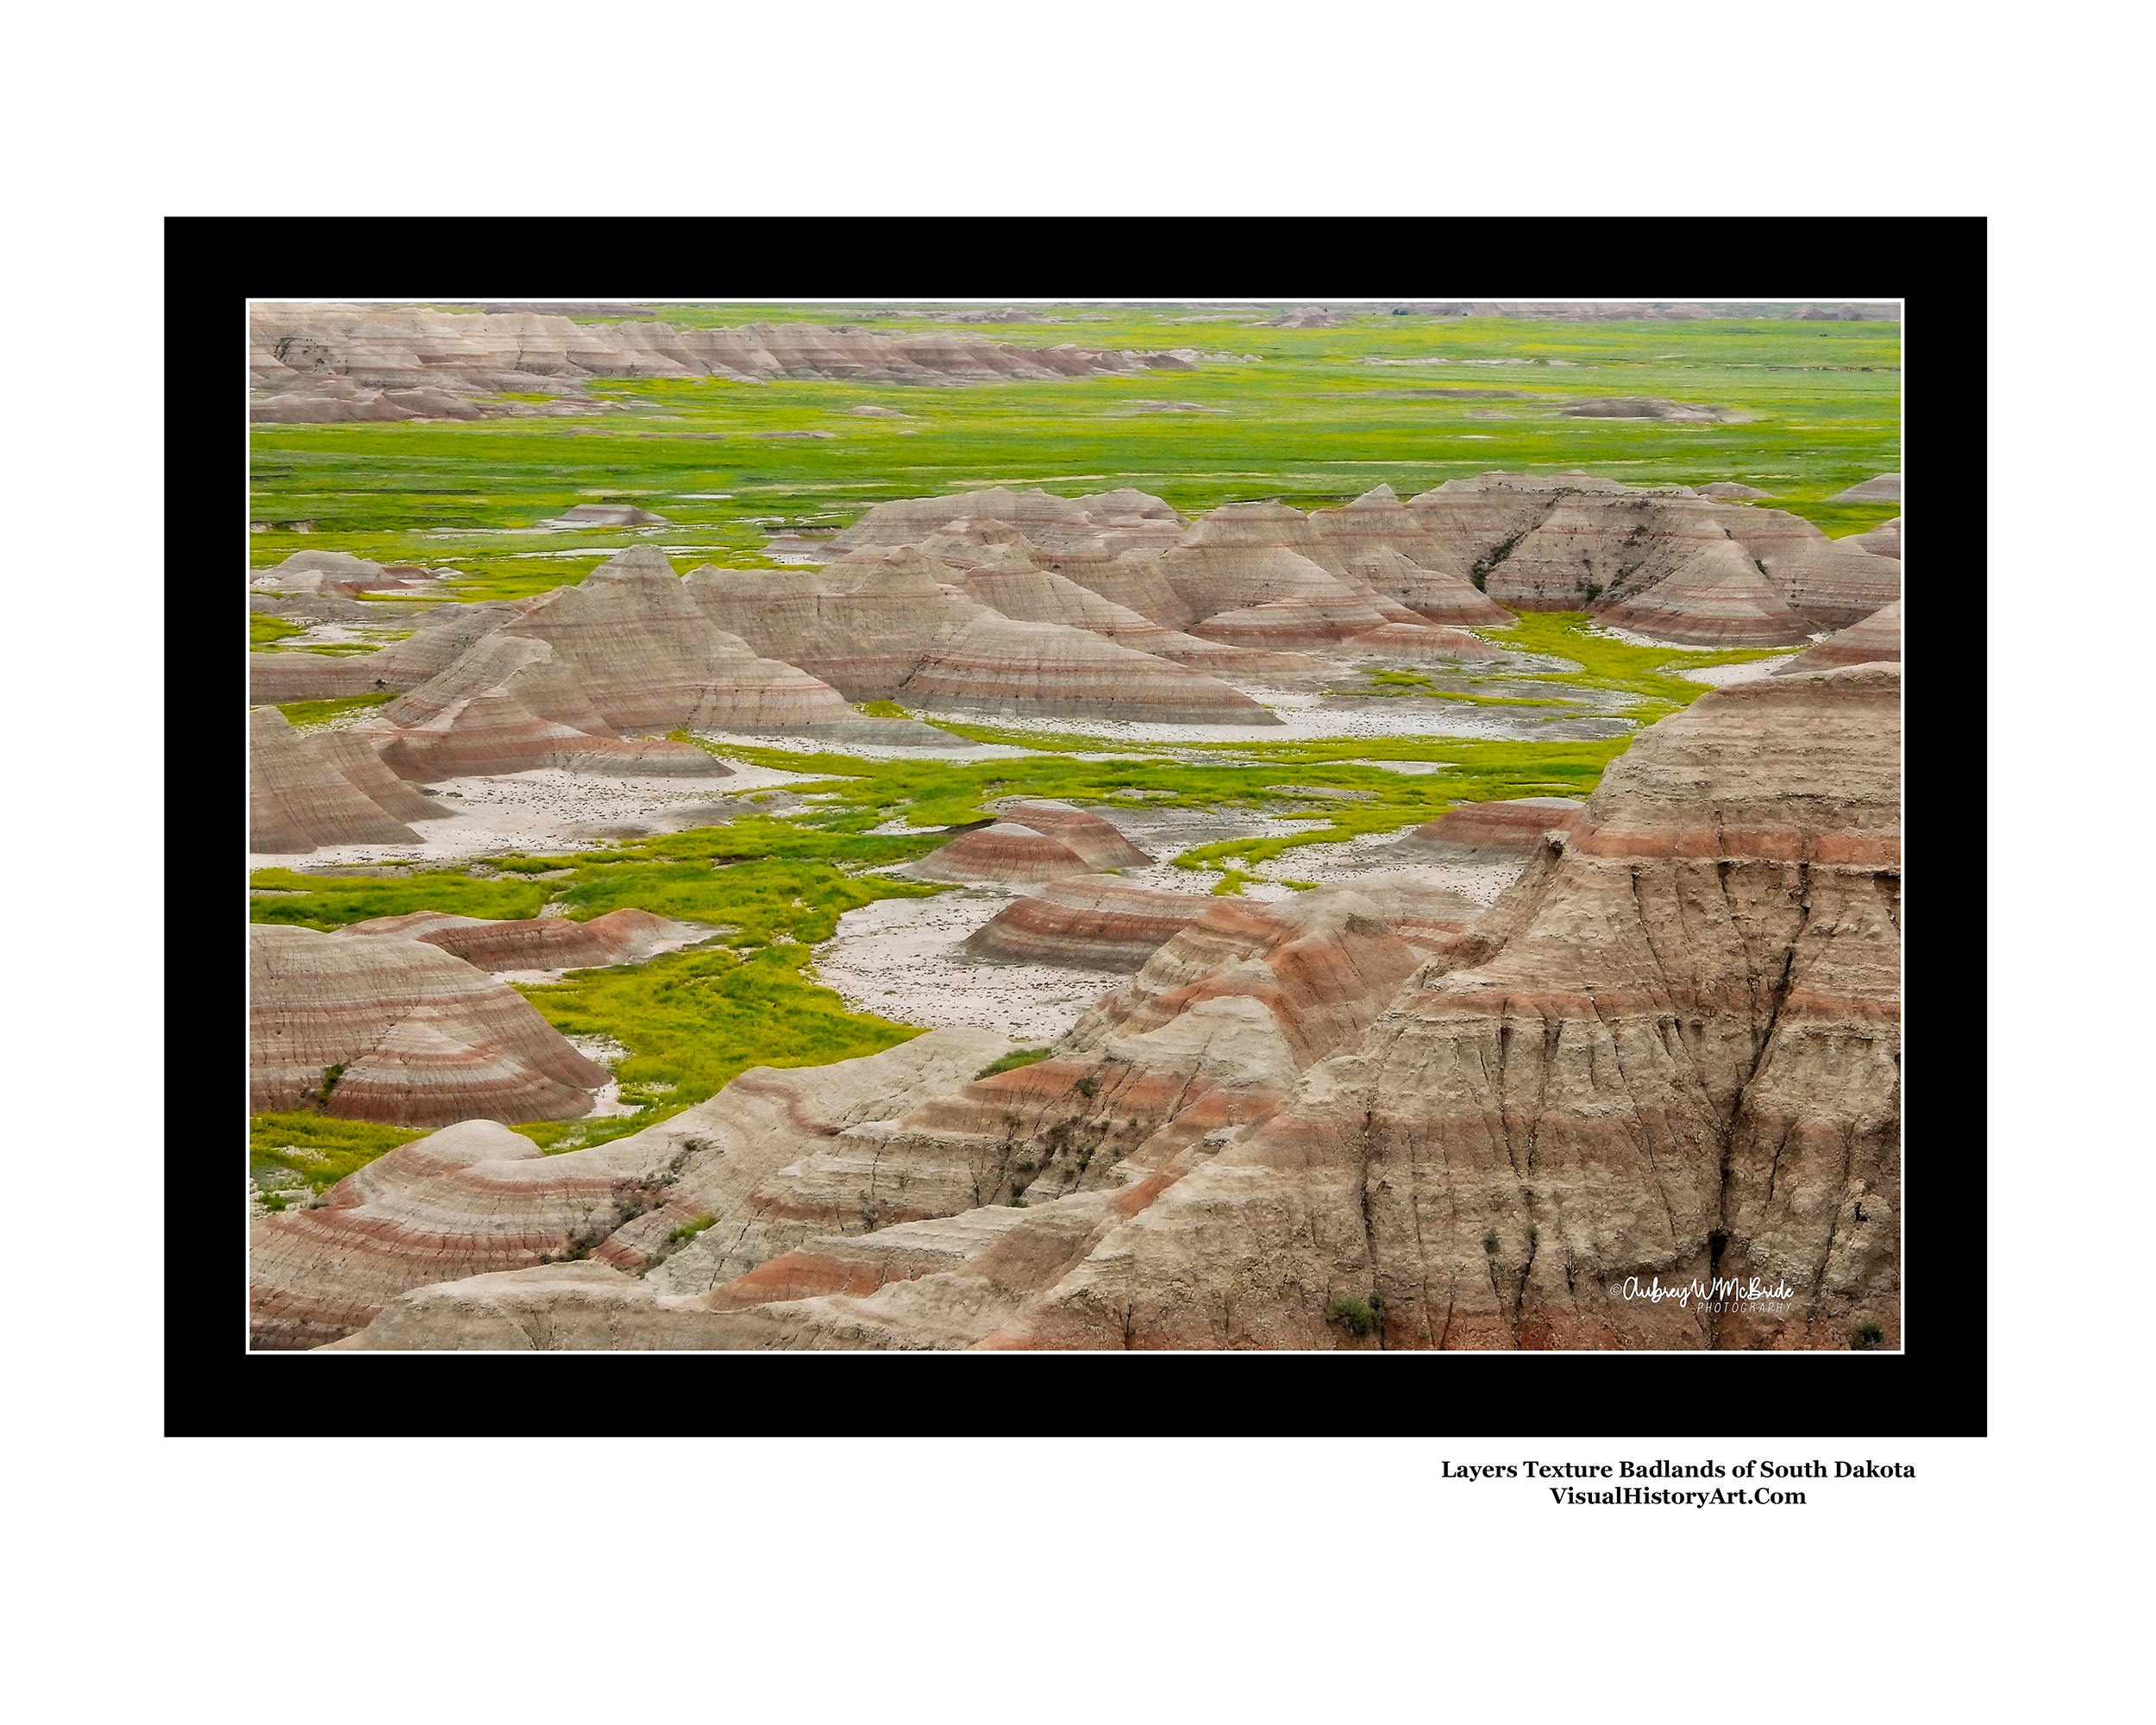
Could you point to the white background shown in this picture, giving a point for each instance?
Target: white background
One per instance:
(416, 1582)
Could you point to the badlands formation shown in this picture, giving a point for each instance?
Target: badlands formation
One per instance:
(1367, 1116)
(1453, 1096)
(317, 364)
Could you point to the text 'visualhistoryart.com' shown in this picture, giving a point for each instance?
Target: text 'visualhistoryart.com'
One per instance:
(1217, 825)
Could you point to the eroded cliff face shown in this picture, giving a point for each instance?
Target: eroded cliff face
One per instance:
(336, 363)
(1683, 1062)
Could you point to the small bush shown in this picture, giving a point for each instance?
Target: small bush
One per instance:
(1086, 1085)
(275, 1201)
(691, 1230)
(1489, 1242)
(1011, 1063)
(1357, 1315)
(1868, 1336)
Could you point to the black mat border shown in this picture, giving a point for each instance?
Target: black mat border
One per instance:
(1935, 1388)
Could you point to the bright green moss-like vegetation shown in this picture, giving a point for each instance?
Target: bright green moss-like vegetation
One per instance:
(263, 631)
(303, 713)
(1011, 1062)
(319, 1150)
(329, 901)
(1649, 673)
(694, 1020)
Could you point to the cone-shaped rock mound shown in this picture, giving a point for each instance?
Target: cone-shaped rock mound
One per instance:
(549, 943)
(423, 1038)
(1433, 595)
(1086, 922)
(1006, 852)
(1717, 600)
(1419, 643)
(1833, 583)
(326, 788)
(1886, 488)
(1489, 832)
(1883, 541)
(1094, 837)
(1877, 640)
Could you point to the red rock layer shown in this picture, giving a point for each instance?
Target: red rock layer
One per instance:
(509, 704)
(424, 1038)
(1682, 1062)
(1489, 832)
(1087, 923)
(901, 1231)
(477, 1198)
(551, 943)
(1323, 965)
(1006, 852)
(1095, 838)
(1877, 640)
(1717, 600)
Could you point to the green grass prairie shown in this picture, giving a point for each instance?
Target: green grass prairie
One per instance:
(1314, 416)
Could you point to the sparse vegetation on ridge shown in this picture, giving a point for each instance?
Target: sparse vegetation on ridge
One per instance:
(322, 714)
(1011, 1062)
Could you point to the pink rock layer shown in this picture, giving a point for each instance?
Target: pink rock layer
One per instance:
(1489, 832)
(1007, 852)
(424, 1038)
(1877, 640)
(1419, 642)
(1085, 923)
(550, 943)
(1094, 837)
(1679, 1063)
(1432, 594)
(1719, 599)
(325, 788)
(477, 1199)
